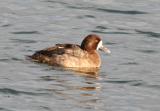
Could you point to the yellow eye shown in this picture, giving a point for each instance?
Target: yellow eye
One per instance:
(96, 41)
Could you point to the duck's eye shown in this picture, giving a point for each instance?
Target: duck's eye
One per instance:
(96, 41)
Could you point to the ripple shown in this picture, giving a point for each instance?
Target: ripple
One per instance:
(154, 86)
(101, 27)
(10, 59)
(89, 16)
(131, 82)
(130, 12)
(15, 92)
(86, 16)
(46, 108)
(48, 78)
(26, 32)
(6, 25)
(134, 83)
(110, 43)
(130, 63)
(16, 59)
(23, 41)
(4, 60)
(4, 109)
(98, 31)
(146, 85)
(51, 1)
(149, 33)
(76, 7)
(103, 32)
(119, 33)
(148, 51)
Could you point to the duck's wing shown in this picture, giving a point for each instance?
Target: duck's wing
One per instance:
(72, 50)
(59, 49)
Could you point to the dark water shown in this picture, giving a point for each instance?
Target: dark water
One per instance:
(129, 79)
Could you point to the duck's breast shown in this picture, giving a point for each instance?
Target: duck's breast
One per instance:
(82, 60)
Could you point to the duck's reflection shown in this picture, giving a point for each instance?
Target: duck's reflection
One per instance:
(87, 70)
(83, 71)
(80, 91)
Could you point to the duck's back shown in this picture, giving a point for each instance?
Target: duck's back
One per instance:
(58, 49)
(66, 55)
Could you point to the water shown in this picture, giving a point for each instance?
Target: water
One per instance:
(129, 79)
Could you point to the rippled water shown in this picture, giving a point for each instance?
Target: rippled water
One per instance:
(129, 79)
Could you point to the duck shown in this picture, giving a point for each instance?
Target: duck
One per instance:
(73, 55)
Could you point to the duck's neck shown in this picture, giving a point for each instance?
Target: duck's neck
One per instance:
(95, 57)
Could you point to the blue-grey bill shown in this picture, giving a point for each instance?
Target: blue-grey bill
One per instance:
(105, 49)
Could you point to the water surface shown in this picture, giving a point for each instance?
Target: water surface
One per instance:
(129, 79)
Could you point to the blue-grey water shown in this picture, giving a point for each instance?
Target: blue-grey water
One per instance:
(129, 79)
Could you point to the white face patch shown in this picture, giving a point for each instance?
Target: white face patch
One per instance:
(99, 45)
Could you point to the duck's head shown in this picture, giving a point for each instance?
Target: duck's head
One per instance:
(93, 42)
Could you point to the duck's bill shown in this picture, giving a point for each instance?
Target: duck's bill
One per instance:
(105, 49)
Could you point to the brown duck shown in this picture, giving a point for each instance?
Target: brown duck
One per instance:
(73, 55)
